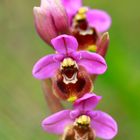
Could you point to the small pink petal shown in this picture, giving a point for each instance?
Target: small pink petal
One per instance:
(72, 7)
(46, 66)
(74, 113)
(87, 102)
(98, 19)
(65, 44)
(57, 122)
(93, 62)
(104, 125)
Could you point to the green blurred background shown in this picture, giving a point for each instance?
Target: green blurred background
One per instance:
(22, 104)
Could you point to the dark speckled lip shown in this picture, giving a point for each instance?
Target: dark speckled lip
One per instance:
(74, 132)
(78, 89)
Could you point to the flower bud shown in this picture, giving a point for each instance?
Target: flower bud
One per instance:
(50, 19)
(103, 44)
(102, 48)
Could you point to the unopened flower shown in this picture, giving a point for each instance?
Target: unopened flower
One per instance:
(69, 68)
(103, 44)
(86, 23)
(82, 121)
(50, 19)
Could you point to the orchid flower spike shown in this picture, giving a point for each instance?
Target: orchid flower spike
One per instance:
(69, 68)
(82, 121)
(86, 24)
(47, 19)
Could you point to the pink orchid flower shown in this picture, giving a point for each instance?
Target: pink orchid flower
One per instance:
(67, 56)
(102, 124)
(69, 69)
(98, 19)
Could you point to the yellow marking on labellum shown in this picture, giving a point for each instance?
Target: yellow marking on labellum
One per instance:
(71, 98)
(92, 48)
(83, 120)
(67, 62)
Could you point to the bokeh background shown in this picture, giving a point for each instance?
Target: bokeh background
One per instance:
(22, 104)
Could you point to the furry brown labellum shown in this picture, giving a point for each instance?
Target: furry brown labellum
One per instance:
(71, 81)
(86, 36)
(80, 130)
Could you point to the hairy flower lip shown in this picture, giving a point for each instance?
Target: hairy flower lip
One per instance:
(86, 38)
(65, 91)
(47, 21)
